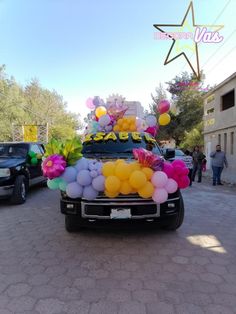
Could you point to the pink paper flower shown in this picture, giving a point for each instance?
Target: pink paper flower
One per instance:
(148, 159)
(53, 166)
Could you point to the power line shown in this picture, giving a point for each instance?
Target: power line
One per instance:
(222, 59)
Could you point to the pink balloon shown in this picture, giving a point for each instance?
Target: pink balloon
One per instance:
(90, 104)
(185, 171)
(178, 170)
(178, 162)
(160, 195)
(159, 179)
(164, 106)
(168, 169)
(183, 182)
(171, 186)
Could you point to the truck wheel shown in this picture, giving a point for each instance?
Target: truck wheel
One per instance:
(19, 191)
(177, 222)
(71, 223)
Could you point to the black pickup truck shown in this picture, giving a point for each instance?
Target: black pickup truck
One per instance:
(136, 210)
(17, 172)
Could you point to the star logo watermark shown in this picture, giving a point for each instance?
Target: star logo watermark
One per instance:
(186, 38)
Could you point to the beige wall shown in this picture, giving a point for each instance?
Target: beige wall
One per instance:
(221, 126)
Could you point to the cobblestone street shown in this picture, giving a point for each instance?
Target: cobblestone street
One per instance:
(43, 269)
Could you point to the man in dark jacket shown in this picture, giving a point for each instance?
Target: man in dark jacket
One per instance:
(217, 163)
(198, 157)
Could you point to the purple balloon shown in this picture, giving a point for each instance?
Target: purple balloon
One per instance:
(83, 178)
(96, 101)
(92, 164)
(89, 193)
(99, 183)
(89, 103)
(104, 120)
(74, 190)
(93, 173)
(82, 164)
(69, 175)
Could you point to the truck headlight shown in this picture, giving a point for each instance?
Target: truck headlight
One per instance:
(5, 172)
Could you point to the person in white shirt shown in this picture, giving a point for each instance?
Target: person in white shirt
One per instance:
(188, 160)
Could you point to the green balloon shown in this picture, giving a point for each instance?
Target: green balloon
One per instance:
(34, 161)
(31, 154)
(63, 185)
(53, 184)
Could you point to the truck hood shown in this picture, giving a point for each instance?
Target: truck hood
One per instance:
(11, 162)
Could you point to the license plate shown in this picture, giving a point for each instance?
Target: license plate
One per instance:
(120, 213)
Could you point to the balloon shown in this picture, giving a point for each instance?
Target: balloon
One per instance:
(178, 162)
(123, 171)
(137, 179)
(160, 195)
(89, 193)
(151, 120)
(53, 184)
(108, 169)
(116, 128)
(111, 194)
(148, 172)
(112, 184)
(93, 173)
(82, 164)
(146, 191)
(34, 161)
(84, 178)
(53, 166)
(159, 179)
(96, 101)
(99, 183)
(171, 186)
(32, 154)
(100, 111)
(89, 103)
(168, 169)
(178, 170)
(108, 128)
(125, 188)
(183, 182)
(164, 106)
(185, 171)
(63, 185)
(164, 119)
(69, 175)
(104, 120)
(74, 190)
(152, 130)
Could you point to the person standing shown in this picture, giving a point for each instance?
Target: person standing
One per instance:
(188, 160)
(198, 157)
(217, 163)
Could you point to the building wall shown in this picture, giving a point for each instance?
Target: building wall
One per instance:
(135, 109)
(220, 128)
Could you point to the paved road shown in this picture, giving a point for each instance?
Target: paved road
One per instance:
(45, 270)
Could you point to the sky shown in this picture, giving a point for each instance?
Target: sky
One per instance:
(86, 48)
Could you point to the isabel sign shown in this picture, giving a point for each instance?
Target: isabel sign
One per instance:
(193, 34)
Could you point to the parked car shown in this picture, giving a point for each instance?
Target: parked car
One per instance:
(131, 208)
(17, 172)
(177, 153)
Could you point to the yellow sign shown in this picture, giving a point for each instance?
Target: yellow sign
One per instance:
(30, 133)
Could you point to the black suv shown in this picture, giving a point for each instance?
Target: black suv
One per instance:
(17, 172)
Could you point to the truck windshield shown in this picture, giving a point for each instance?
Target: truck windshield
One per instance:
(13, 151)
(117, 148)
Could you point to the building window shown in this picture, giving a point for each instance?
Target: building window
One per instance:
(227, 100)
(225, 142)
(232, 143)
(219, 139)
(210, 110)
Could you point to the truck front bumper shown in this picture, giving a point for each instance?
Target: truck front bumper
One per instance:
(6, 191)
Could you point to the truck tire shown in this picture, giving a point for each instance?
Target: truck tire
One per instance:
(175, 224)
(19, 191)
(72, 223)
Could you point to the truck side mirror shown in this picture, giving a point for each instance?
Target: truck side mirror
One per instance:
(169, 153)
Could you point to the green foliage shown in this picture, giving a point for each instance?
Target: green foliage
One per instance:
(53, 147)
(34, 104)
(193, 138)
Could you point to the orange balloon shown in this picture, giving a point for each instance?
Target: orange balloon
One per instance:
(123, 171)
(137, 179)
(120, 122)
(111, 194)
(147, 190)
(108, 169)
(112, 184)
(148, 172)
(116, 128)
(125, 188)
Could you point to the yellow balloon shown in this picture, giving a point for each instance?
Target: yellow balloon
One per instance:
(108, 169)
(112, 184)
(146, 191)
(164, 119)
(123, 171)
(116, 128)
(111, 194)
(119, 161)
(120, 122)
(133, 127)
(137, 179)
(135, 166)
(148, 172)
(125, 126)
(125, 188)
(100, 111)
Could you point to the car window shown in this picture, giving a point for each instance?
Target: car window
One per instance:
(35, 148)
(179, 152)
(13, 150)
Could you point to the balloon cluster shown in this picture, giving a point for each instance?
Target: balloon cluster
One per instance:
(126, 178)
(84, 179)
(163, 108)
(127, 124)
(33, 157)
(178, 171)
